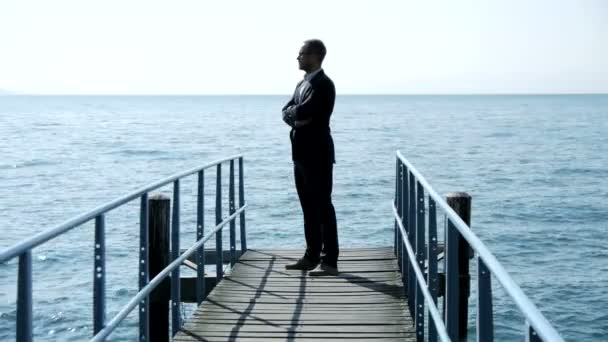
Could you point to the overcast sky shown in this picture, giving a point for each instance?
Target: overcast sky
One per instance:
(250, 47)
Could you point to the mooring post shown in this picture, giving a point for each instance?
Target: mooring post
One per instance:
(461, 203)
(159, 256)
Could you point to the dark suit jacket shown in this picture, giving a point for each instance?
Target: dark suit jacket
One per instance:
(313, 143)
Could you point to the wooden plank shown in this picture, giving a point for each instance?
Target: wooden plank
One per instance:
(227, 299)
(305, 293)
(240, 337)
(394, 309)
(290, 338)
(321, 291)
(294, 255)
(293, 281)
(311, 285)
(363, 250)
(298, 319)
(312, 291)
(245, 266)
(303, 315)
(310, 307)
(303, 275)
(328, 329)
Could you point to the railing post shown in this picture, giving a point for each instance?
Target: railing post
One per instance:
(485, 315)
(144, 307)
(241, 204)
(159, 259)
(99, 275)
(24, 297)
(461, 203)
(231, 210)
(451, 294)
(175, 281)
(200, 232)
(218, 219)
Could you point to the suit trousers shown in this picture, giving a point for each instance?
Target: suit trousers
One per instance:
(314, 185)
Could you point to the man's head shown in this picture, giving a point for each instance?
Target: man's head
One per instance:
(311, 55)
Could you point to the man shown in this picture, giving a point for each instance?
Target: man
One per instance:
(308, 113)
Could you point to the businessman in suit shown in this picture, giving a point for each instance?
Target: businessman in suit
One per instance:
(308, 114)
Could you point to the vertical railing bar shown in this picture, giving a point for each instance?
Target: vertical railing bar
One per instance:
(218, 219)
(531, 335)
(420, 244)
(144, 329)
(445, 264)
(403, 207)
(432, 262)
(399, 242)
(175, 281)
(397, 201)
(485, 315)
(99, 275)
(411, 237)
(231, 209)
(451, 288)
(405, 201)
(200, 232)
(241, 204)
(24, 297)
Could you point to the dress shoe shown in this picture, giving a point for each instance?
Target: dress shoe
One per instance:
(303, 265)
(324, 270)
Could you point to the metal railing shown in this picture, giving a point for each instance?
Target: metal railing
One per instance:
(102, 330)
(416, 244)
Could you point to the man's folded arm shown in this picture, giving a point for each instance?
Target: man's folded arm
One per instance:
(306, 109)
(288, 115)
(291, 102)
(318, 100)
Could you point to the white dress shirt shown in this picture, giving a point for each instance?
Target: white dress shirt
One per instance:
(306, 83)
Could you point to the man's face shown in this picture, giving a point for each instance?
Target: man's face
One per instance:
(305, 58)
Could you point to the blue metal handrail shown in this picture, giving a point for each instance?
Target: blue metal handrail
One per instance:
(144, 292)
(409, 213)
(433, 310)
(23, 250)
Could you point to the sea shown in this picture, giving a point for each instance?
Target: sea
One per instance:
(536, 167)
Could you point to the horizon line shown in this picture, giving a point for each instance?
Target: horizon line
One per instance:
(289, 94)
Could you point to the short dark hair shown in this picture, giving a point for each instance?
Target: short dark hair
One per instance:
(316, 47)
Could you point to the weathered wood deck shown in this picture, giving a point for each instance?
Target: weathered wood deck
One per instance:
(261, 301)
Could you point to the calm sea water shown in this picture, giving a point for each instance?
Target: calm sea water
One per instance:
(536, 167)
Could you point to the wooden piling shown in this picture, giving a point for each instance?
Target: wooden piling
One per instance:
(160, 257)
(461, 203)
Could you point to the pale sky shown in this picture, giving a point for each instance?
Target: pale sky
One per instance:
(250, 47)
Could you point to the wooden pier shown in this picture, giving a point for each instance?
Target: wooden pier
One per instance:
(260, 301)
